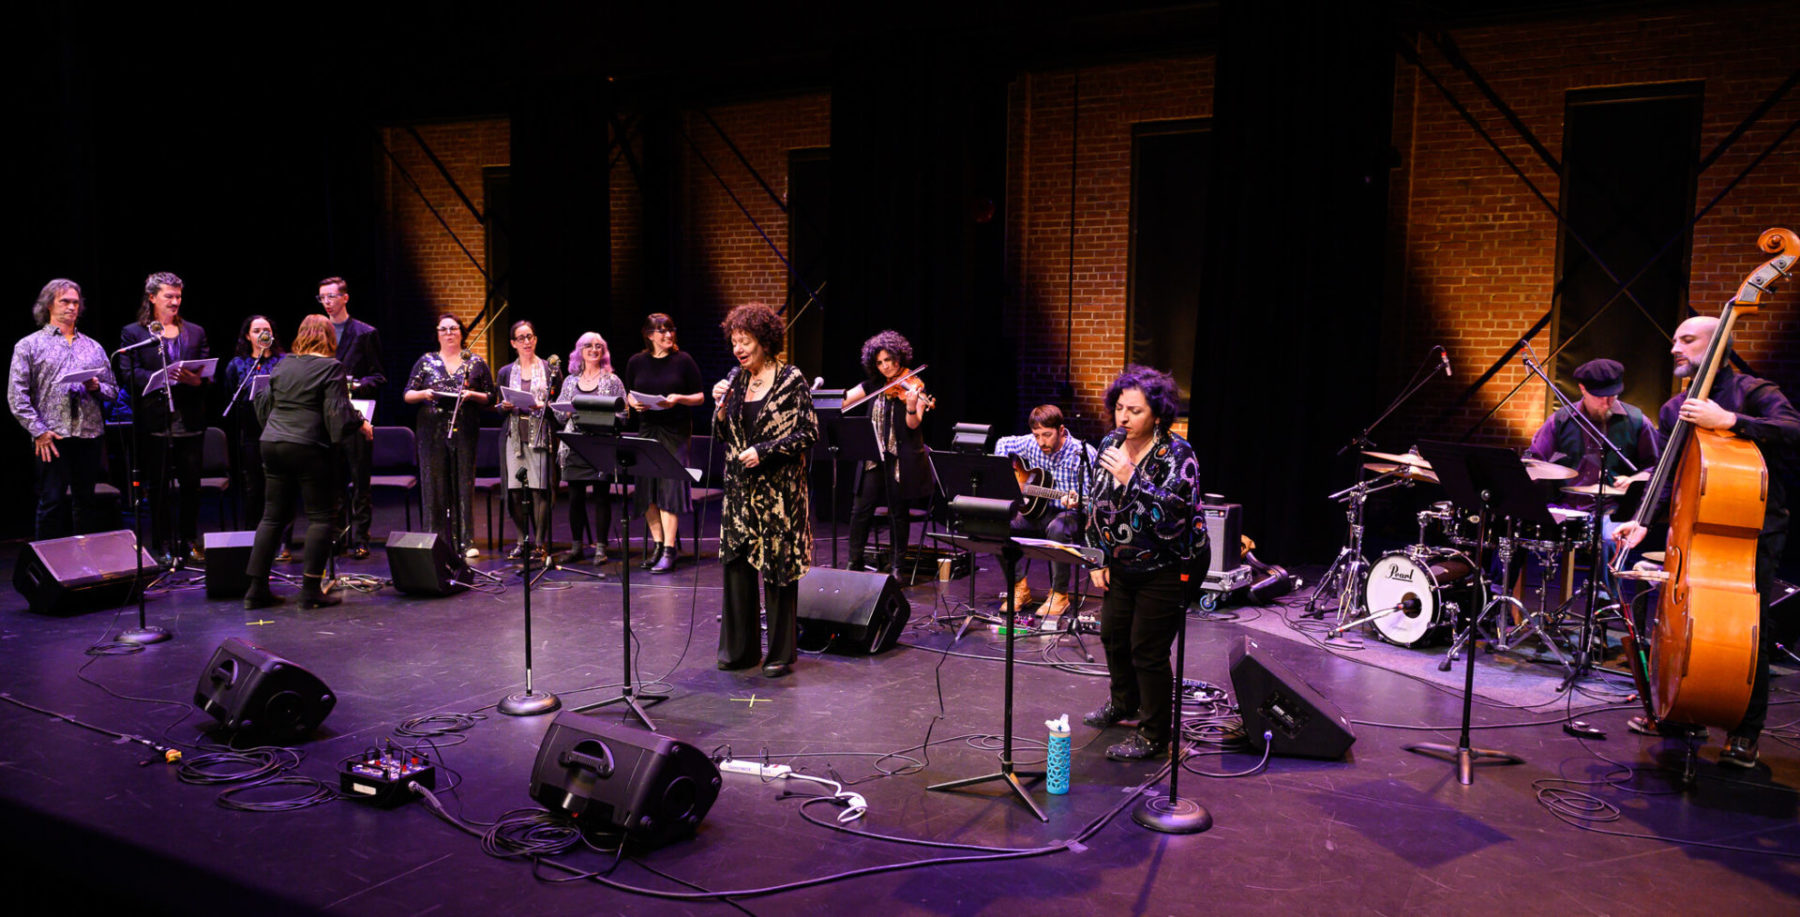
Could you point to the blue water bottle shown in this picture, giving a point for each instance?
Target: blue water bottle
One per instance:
(1057, 764)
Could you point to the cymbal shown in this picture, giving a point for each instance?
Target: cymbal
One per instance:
(1407, 472)
(1400, 458)
(1592, 490)
(1547, 471)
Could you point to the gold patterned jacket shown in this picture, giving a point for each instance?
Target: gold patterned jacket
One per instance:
(766, 518)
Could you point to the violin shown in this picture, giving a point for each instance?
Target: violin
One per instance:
(915, 386)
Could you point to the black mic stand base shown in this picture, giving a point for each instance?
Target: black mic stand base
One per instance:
(1465, 757)
(630, 700)
(1165, 815)
(530, 703)
(144, 636)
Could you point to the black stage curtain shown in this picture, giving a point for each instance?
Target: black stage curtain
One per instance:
(1286, 347)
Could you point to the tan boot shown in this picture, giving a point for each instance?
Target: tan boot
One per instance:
(1021, 594)
(1053, 609)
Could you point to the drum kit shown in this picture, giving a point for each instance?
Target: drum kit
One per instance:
(1417, 595)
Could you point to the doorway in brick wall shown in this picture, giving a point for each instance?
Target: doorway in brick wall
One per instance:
(1628, 170)
(1171, 163)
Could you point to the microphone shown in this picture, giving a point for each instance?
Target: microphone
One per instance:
(265, 337)
(818, 382)
(1444, 355)
(156, 327)
(155, 331)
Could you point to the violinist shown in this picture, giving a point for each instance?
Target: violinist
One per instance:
(1756, 410)
(903, 475)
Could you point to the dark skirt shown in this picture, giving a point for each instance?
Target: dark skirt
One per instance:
(669, 495)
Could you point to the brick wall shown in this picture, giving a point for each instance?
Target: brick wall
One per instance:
(427, 272)
(1042, 126)
(723, 261)
(1475, 253)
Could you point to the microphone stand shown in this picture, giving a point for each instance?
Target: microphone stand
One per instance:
(145, 633)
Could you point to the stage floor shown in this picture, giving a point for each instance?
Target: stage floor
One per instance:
(93, 819)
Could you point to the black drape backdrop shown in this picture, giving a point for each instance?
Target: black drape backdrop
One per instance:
(1285, 353)
(917, 144)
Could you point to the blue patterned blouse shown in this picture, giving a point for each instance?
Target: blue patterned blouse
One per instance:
(1144, 526)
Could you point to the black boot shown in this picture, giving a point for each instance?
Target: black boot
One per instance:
(666, 560)
(652, 557)
(313, 595)
(259, 596)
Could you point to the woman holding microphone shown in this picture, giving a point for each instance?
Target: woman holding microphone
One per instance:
(765, 423)
(1143, 519)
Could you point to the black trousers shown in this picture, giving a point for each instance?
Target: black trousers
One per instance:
(1063, 527)
(68, 481)
(740, 632)
(169, 460)
(1139, 618)
(1769, 546)
(446, 473)
(876, 487)
(578, 513)
(295, 469)
(357, 456)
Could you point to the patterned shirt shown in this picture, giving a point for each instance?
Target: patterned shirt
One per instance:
(1065, 464)
(1144, 525)
(39, 359)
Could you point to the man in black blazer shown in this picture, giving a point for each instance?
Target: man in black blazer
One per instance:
(169, 424)
(359, 349)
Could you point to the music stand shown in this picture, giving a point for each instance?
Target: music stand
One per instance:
(1491, 481)
(828, 404)
(852, 439)
(988, 477)
(627, 457)
(988, 528)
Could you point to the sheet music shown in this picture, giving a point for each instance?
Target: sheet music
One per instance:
(363, 406)
(653, 402)
(519, 398)
(78, 376)
(258, 385)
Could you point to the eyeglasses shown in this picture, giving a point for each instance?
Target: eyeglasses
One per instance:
(593, 347)
(525, 337)
(327, 297)
(450, 330)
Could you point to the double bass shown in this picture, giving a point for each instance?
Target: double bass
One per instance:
(1702, 654)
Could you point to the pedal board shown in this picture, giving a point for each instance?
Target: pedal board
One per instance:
(381, 777)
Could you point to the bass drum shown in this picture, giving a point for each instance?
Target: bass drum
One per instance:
(1424, 584)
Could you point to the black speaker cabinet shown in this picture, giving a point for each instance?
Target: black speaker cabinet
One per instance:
(421, 563)
(85, 571)
(1272, 698)
(612, 777)
(227, 556)
(851, 611)
(254, 691)
(1225, 529)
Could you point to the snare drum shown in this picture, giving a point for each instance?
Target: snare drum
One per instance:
(1424, 585)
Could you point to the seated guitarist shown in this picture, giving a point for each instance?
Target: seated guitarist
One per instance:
(1065, 464)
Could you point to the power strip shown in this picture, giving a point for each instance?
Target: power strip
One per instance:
(753, 769)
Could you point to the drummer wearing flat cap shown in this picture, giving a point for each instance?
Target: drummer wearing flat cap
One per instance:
(1562, 440)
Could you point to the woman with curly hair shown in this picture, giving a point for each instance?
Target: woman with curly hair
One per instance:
(1143, 519)
(764, 421)
(903, 475)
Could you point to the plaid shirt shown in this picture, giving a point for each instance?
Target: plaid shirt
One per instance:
(38, 360)
(1065, 464)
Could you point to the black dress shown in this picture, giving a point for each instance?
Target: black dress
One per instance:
(447, 464)
(674, 373)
